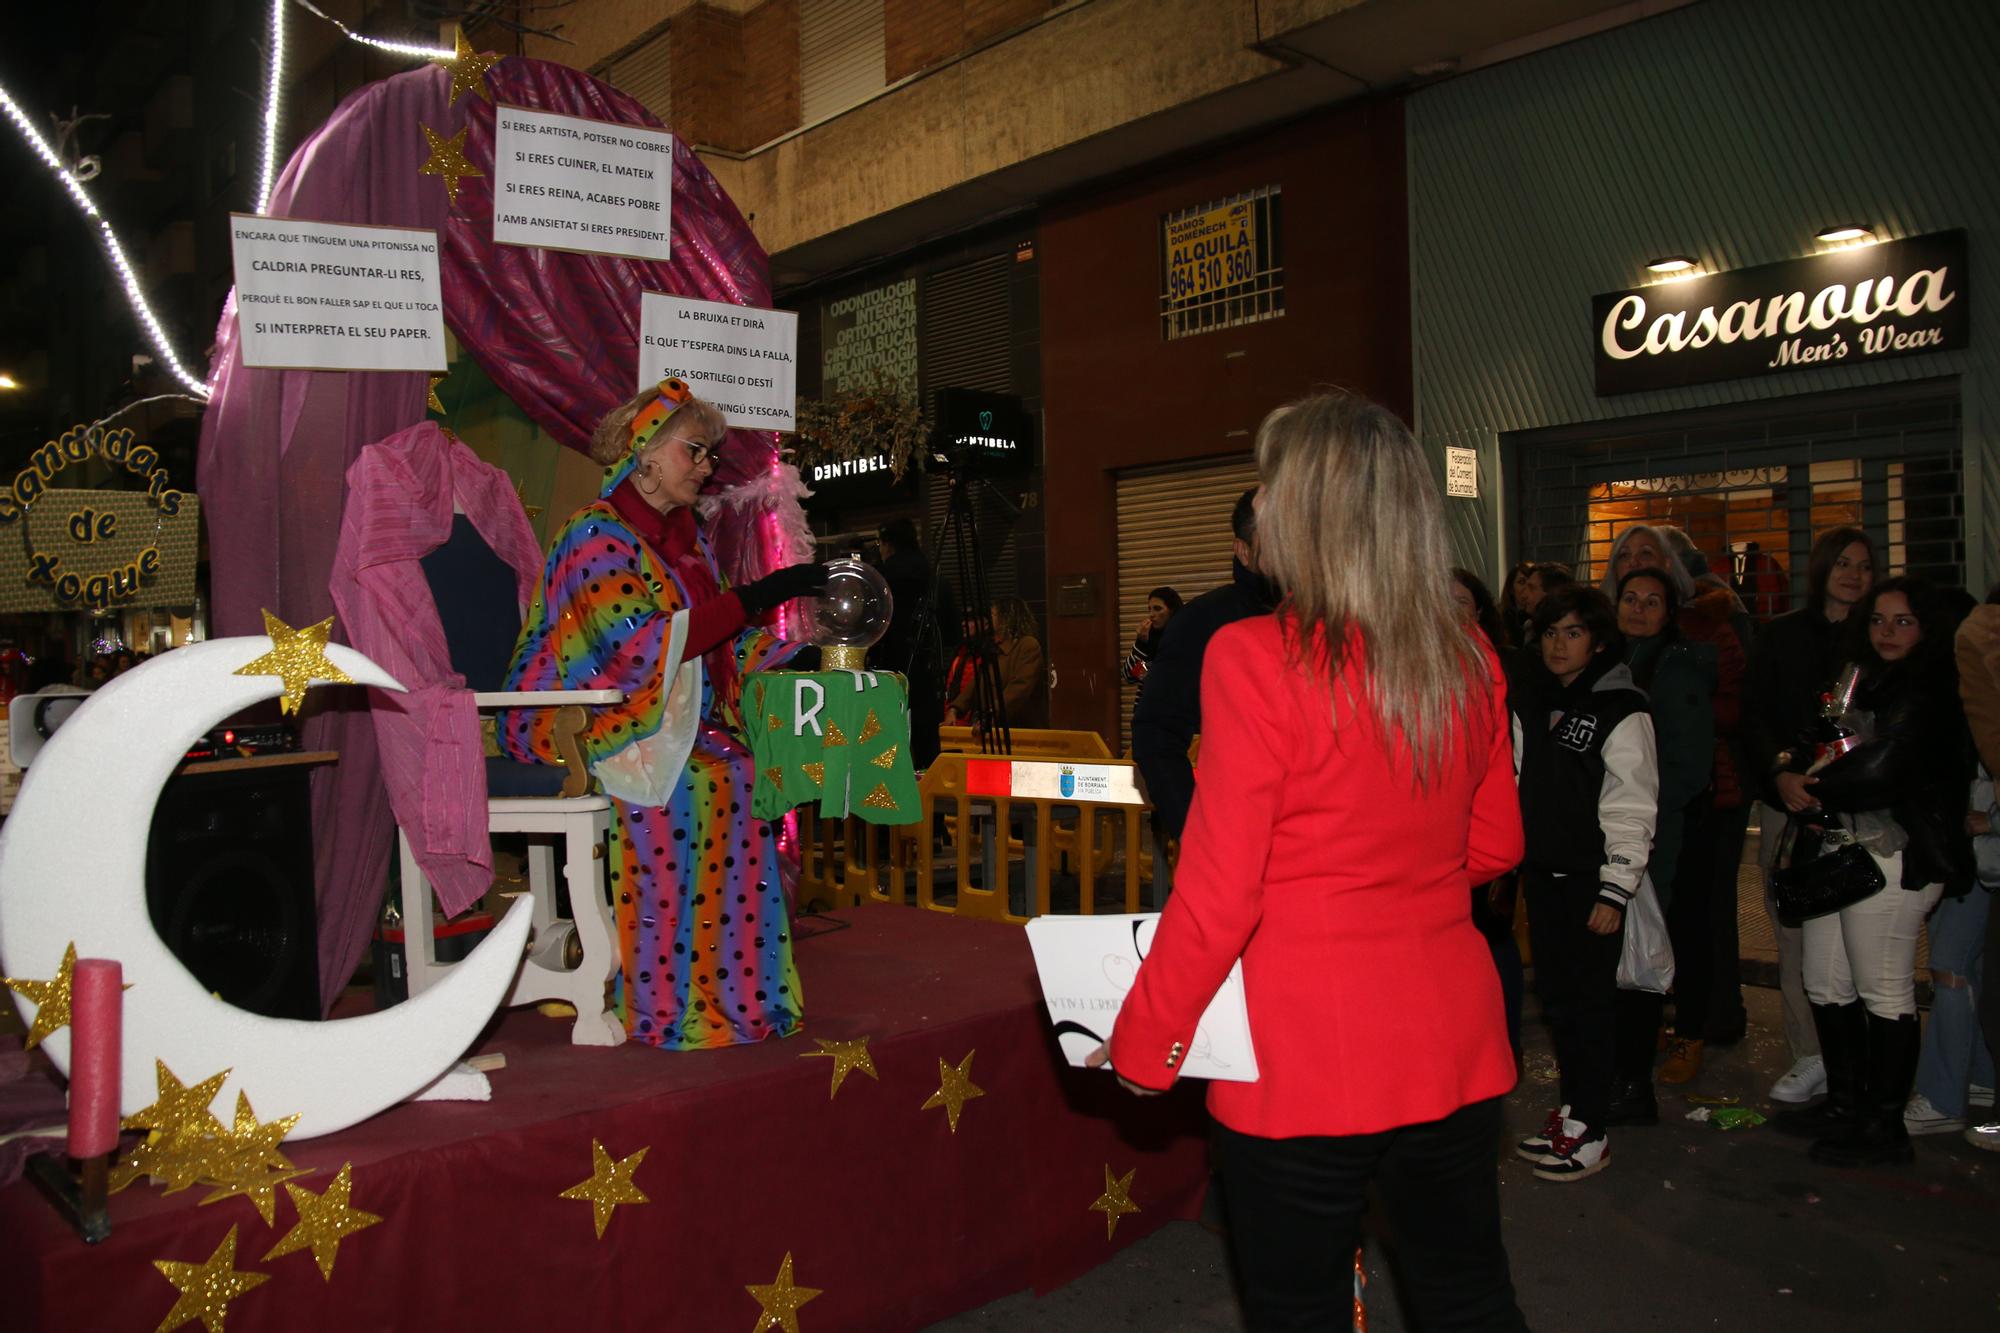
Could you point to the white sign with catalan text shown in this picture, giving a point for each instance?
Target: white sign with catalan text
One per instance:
(741, 358)
(1461, 473)
(570, 183)
(336, 296)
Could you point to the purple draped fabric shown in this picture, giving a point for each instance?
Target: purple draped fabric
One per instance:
(558, 333)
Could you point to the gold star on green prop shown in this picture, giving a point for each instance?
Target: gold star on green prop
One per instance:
(774, 723)
(815, 771)
(431, 395)
(833, 737)
(1116, 1200)
(610, 1184)
(955, 1089)
(879, 799)
(297, 657)
(324, 1219)
(869, 729)
(846, 1055)
(775, 775)
(468, 68)
(447, 159)
(207, 1288)
(50, 998)
(779, 1302)
(886, 759)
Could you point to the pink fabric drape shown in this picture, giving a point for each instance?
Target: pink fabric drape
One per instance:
(557, 332)
(401, 495)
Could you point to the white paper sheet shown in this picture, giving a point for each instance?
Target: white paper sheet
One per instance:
(1087, 965)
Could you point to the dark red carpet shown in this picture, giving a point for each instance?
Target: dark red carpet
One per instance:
(897, 1219)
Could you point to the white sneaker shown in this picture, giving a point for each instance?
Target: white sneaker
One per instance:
(1805, 1081)
(1978, 1096)
(1985, 1136)
(1577, 1151)
(1921, 1117)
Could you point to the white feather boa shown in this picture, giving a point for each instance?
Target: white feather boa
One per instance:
(776, 491)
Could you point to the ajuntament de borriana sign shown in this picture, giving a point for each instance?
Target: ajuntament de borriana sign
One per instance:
(743, 359)
(570, 183)
(1840, 308)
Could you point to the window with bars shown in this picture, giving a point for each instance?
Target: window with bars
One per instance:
(1222, 264)
(645, 72)
(1751, 492)
(842, 59)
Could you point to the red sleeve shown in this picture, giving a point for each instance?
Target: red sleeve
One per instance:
(712, 622)
(1493, 842)
(1218, 895)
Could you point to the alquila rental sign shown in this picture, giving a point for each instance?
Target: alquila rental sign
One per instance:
(1839, 308)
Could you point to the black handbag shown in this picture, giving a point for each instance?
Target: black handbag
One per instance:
(1826, 883)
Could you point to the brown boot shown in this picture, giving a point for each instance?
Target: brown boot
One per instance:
(1683, 1062)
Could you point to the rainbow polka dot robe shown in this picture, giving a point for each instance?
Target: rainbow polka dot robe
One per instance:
(705, 940)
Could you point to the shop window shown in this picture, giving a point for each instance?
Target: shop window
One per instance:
(1751, 492)
(1222, 264)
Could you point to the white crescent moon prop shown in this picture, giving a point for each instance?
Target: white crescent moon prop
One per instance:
(72, 867)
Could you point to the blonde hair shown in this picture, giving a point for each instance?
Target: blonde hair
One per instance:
(1351, 527)
(695, 419)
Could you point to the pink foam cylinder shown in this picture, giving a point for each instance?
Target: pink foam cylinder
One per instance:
(96, 1023)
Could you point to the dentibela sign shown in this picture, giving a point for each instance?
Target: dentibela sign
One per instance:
(1844, 307)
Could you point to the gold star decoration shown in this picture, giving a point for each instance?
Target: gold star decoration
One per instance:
(879, 799)
(775, 775)
(431, 396)
(815, 771)
(1116, 1200)
(298, 658)
(833, 737)
(869, 729)
(468, 68)
(447, 159)
(846, 1055)
(324, 1219)
(207, 1288)
(178, 1111)
(778, 1302)
(247, 1162)
(610, 1184)
(775, 723)
(886, 759)
(955, 1089)
(50, 998)
(521, 493)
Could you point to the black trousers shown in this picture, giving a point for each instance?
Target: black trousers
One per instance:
(1294, 1208)
(1726, 1014)
(1576, 979)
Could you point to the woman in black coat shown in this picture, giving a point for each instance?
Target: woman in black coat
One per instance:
(1901, 795)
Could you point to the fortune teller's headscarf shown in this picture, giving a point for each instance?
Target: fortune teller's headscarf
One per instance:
(673, 395)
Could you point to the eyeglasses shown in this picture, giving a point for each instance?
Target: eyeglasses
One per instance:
(698, 453)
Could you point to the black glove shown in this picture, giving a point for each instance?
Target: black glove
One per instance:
(781, 586)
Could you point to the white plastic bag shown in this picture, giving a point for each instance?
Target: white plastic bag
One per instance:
(1646, 959)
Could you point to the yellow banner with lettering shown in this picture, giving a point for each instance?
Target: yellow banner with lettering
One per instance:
(1211, 251)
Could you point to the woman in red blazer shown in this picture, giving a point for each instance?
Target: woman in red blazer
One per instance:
(1348, 799)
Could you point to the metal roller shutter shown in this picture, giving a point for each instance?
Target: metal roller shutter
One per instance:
(841, 59)
(963, 320)
(1173, 529)
(646, 72)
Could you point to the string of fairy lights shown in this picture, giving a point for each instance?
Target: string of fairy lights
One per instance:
(267, 176)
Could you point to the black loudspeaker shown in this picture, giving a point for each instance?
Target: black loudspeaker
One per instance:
(229, 884)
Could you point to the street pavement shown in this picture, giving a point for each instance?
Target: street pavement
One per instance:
(1689, 1228)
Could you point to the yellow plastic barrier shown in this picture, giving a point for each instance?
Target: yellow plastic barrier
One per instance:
(846, 862)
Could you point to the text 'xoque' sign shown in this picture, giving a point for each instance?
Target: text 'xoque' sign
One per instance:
(1839, 308)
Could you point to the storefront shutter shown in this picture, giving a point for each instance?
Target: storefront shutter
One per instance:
(963, 323)
(646, 73)
(1173, 530)
(840, 55)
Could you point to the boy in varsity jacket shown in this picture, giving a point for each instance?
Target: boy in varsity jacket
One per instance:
(1590, 785)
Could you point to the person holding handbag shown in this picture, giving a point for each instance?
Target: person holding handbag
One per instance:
(1893, 804)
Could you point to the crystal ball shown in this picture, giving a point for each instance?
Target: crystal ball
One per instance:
(854, 610)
